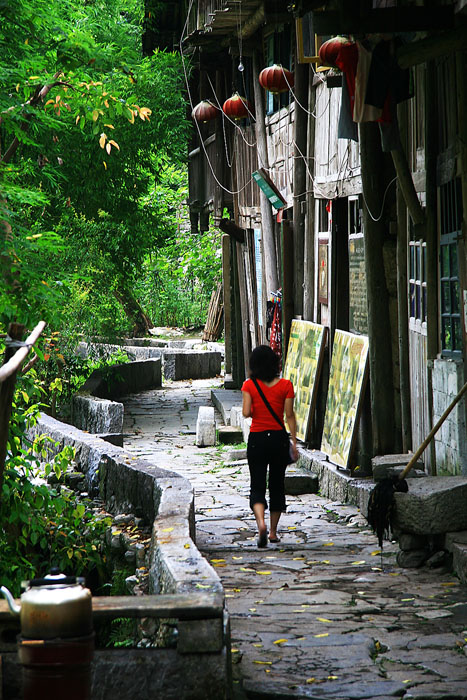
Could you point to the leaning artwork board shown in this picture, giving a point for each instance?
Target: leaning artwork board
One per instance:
(303, 364)
(347, 378)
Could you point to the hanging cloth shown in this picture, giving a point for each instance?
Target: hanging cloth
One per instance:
(276, 331)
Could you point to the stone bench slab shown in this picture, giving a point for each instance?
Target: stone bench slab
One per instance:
(432, 506)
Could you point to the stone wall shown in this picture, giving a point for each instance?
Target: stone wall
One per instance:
(201, 661)
(451, 438)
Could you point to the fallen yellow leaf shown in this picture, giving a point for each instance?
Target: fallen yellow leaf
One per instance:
(310, 680)
(377, 551)
(280, 641)
(328, 544)
(237, 558)
(187, 546)
(263, 573)
(258, 646)
(332, 678)
(325, 561)
(265, 663)
(356, 563)
(292, 527)
(215, 561)
(252, 609)
(243, 568)
(323, 619)
(167, 529)
(324, 634)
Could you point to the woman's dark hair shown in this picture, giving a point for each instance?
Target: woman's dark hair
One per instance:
(264, 363)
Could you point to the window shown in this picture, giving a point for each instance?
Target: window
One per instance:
(417, 280)
(451, 217)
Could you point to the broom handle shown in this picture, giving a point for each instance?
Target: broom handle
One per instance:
(432, 432)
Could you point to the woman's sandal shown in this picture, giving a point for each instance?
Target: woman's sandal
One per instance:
(274, 539)
(263, 539)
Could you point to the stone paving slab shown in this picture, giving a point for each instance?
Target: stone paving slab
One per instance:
(323, 614)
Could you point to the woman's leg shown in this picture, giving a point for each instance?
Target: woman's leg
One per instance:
(257, 464)
(275, 516)
(276, 485)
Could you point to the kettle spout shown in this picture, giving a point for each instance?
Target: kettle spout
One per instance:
(15, 609)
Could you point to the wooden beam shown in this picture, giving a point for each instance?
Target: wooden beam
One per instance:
(388, 20)
(230, 227)
(433, 46)
(182, 606)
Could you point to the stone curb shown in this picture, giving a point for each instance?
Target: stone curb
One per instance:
(134, 485)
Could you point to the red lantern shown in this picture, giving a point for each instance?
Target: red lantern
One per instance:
(204, 111)
(328, 51)
(237, 107)
(276, 79)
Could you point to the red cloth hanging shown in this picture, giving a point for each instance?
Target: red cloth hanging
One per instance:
(276, 331)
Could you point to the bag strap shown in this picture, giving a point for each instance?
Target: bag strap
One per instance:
(268, 405)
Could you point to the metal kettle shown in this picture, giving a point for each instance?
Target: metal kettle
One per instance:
(54, 606)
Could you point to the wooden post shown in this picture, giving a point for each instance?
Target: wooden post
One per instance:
(402, 303)
(238, 365)
(267, 221)
(299, 183)
(309, 242)
(225, 241)
(432, 285)
(461, 80)
(287, 283)
(7, 390)
(379, 327)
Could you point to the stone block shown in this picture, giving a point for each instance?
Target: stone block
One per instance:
(434, 505)
(229, 435)
(298, 481)
(205, 427)
(191, 364)
(408, 542)
(413, 559)
(235, 455)
(200, 636)
(97, 415)
(386, 466)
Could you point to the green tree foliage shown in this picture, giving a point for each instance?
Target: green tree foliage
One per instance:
(88, 128)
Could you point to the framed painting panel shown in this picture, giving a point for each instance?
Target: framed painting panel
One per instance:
(347, 378)
(303, 364)
(323, 270)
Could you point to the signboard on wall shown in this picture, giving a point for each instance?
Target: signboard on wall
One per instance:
(347, 378)
(358, 308)
(303, 366)
(323, 270)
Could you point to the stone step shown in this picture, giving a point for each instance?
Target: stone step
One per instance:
(228, 435)
(299, 481)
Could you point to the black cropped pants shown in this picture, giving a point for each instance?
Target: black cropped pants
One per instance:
(267, 448)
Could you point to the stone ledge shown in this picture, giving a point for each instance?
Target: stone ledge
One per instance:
(126, 484)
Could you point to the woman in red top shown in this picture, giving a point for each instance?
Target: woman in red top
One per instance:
(268, 444)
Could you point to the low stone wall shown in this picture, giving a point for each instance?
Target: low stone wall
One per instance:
(179, 362)
(176, 566)
(97, 415)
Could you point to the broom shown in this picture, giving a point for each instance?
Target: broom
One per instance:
(381, 502)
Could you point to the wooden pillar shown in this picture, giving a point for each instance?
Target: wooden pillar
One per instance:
(287, 283)
(267, 220)
(243, 306)
(226, 266)
(238, 365)
(299, 183)
(461, 81)
(379, 327)
(402, 301)
(309, 242)
(431, 232)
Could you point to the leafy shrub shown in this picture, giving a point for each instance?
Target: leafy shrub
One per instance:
(43, 526)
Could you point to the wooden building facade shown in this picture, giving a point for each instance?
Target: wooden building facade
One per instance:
(369, 232)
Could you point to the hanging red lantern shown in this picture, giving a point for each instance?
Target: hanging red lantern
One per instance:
(329, 51)
(237, 107)
(204, 111)
(276, 79)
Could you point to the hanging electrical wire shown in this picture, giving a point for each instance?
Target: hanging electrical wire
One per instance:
(384, 199)
(187, 84)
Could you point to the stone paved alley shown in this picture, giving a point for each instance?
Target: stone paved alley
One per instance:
(321, 614)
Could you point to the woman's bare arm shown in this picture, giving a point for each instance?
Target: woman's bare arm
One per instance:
(246, 406)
